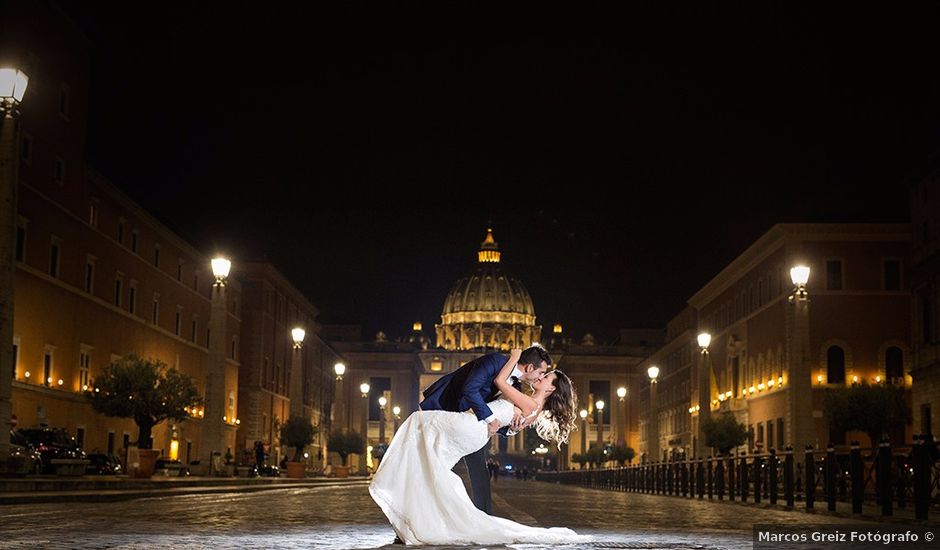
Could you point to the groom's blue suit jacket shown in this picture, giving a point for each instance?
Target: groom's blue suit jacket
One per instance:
(468, 387)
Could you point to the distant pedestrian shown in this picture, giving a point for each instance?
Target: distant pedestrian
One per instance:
(525, 474)
(259, 456)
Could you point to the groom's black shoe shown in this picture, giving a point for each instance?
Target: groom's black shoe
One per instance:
(398, 541)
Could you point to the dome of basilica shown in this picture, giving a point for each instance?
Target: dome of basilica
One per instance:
(488, 308)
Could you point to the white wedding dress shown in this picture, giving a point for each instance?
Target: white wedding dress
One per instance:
(427, 503)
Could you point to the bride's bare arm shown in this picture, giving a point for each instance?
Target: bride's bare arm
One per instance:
(525, 403)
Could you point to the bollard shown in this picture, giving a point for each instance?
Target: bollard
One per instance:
(788, 475)
(700, 478)
(774, 464)
(719, 483)
(884, 477)
(922, 467)
(902, 471)
(857, 471)
(743, 476)
(730, 470)
(809, 476)
(830, 478)
(758, 475)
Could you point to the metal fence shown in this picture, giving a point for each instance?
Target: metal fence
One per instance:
(888, 477)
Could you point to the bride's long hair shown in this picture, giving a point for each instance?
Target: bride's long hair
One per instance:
(558, 418)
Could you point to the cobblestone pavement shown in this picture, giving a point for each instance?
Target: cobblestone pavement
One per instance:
(346, 517)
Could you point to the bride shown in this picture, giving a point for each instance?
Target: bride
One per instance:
(427, 503)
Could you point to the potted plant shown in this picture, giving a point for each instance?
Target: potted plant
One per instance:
(345, 444)
(297, 433)
(147, 391)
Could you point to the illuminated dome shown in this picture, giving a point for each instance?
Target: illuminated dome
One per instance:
(487, 308)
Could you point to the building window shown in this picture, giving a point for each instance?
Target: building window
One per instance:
(155, 317)
(135, 237)
(20, 243)
(234, 353)
(84, 367)
(64, 101)
(179, 321)
(835, 365)
(59, 173)
(120, 233)
(892, 275)
(179, 270)
(780, 433)
(195, 328)
(894, 365)
(132, 297)
(54, 257)
(760, 432)
(118, 289)
(770, 433)
(156, 255)
(437, 366)
(93, 213)
(47, 367)
(834, 274)
(196, 282)
(90, 274)
(26, 149)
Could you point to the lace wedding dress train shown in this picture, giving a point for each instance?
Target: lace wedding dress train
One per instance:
(427, 503)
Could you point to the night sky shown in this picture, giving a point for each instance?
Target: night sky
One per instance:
(622, 159)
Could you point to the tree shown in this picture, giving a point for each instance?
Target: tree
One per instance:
(145, 390)
(595, 455)
(579, 459)
(298, 432)
(876, 410)
(347, 443)
(724, 432)
(622, 454)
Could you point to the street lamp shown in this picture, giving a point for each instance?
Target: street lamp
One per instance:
(799, 276)
(296, 393)
(220, 270)
(703, 408)
(583, 414)
(13, 84)
(622, 418)
(599, 405)
(382, 402)
(340, 370)
(364, 390)
(396, 411)
(799, 397)
(212, 430)
(652, 437)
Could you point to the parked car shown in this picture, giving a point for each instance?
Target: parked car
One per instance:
(52, 443)
(22, 450)
(103, 464)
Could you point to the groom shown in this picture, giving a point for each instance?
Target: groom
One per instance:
(470, 387)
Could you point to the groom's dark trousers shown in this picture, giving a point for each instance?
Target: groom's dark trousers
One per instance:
(470, 387)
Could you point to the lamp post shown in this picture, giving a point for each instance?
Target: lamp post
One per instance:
(213, 438)
(622, 428)
(396, 412)
(653, 429)
(703, 410)
(364, 390)
(13, 84)
(799, 391)
(583, 414)
(599, 406)
(296, 393)
(383, 401)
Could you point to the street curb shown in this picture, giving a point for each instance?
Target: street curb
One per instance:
(130, 494)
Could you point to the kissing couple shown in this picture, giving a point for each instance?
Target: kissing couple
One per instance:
(424, 500)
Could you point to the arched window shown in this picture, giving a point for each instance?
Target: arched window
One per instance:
(835, 365)
(894, 364)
